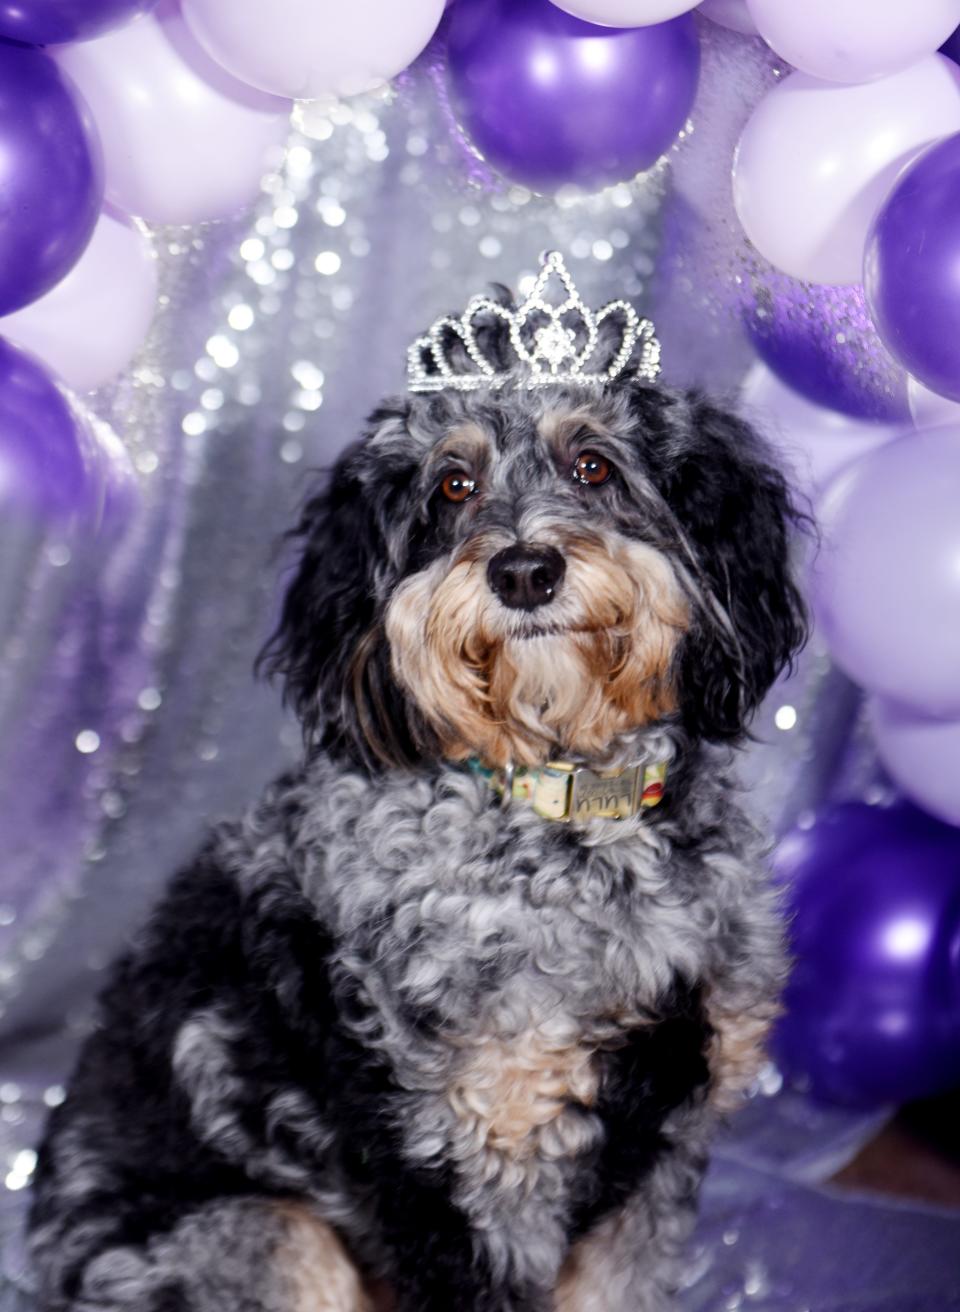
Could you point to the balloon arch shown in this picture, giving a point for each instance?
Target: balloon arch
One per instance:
(843, 274)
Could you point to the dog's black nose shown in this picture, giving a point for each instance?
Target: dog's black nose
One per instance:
(526, 577)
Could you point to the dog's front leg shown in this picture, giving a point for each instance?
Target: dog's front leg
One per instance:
(633, 1259)
(742, 994)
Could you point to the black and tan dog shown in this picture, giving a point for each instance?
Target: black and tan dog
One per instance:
(446, 1022)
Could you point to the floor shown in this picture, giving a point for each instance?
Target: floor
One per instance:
(916, 1156)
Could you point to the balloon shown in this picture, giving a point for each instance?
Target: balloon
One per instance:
(182, 140)
(93, 322)
(930, 409)
(305, 49)
(921, 755)
(729, 13)
(854, 40)
(887, 582)
(912, 268)
(51, 465)
(822, 343)
(873, 1002)
(816, 160)
(813, 444)
(625, 13)
(51, 176)
(44, 22)
(550, 100)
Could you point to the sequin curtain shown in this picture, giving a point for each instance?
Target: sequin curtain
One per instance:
(128, 714)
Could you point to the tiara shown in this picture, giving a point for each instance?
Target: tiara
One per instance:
(553, 340)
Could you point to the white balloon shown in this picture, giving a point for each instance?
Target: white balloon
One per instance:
(813, 444)
(90, 326)
(182, 140)
(307, 49)
(626, 13)
(816, 160)
(729, 13)
(930, 409)
(854, 40)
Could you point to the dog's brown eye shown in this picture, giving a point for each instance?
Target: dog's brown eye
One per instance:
(457, 487)
(591, 469)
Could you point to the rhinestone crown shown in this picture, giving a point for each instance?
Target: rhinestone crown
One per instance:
(553, 340)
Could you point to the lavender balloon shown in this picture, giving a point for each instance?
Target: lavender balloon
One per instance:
(912, 268)
(873, 1003)
(625, 13)
(112, 285)
(921, 755)
(183, 141)
(307, 49)
(45, 22)
(930, 409)
(853, 40)
(549, 100)
(48, 462)
(886, 584)
(812, 444)
(51, 176)
(816, 160)
(733, 14)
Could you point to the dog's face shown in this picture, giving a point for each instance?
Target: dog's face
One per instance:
(544, 609)
(527, 574)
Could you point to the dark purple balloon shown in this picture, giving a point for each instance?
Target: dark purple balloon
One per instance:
(48, 463)
(873, 1004)
(821, 342)
(912, 268)
(51, 176)
(951, 46)
(549, 100)
(46, 22)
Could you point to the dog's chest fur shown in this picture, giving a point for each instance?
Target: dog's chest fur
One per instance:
(534, 991)
(467, 913)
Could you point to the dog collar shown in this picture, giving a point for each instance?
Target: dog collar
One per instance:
(562, 791)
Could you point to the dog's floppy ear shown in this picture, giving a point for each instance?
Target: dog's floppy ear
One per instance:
(734, 512)
(328, 645)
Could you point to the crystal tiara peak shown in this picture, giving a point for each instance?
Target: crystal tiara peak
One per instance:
(552, 334)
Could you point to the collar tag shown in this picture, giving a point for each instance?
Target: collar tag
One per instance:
(608, 796)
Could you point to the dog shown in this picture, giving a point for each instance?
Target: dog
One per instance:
(447, 1020)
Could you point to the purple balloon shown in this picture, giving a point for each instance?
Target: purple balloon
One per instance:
(873, 1004)
(820, 341)
(550, 100)
(48, 460)
(45, 22)
(951, 46)
(912, 268)
(51, 176)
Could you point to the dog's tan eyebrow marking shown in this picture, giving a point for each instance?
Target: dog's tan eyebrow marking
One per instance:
(559, 428)
(468, 443)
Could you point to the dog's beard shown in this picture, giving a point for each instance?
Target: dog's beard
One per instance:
(524, 686)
